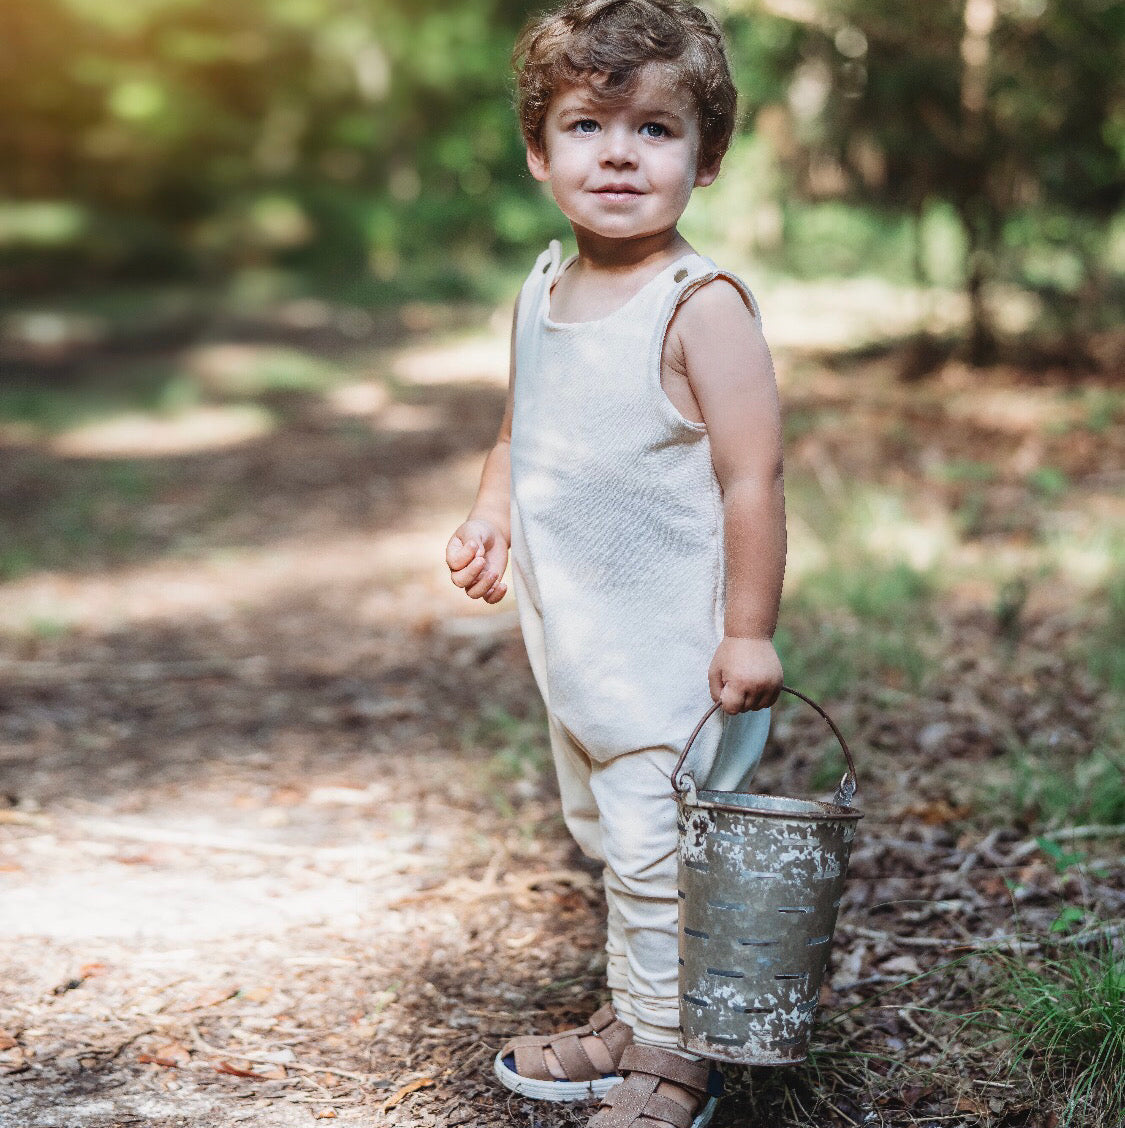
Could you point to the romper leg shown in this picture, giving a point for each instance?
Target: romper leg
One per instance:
(640, 839)
(580, 813)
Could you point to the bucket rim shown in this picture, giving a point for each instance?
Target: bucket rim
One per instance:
(816, 809)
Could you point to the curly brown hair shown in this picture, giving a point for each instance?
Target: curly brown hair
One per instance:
(604, 44)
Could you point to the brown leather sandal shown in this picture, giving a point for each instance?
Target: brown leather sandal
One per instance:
(587, 1055)
(638, 1102)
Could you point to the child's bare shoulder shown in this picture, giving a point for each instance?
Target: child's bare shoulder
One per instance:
(715, 313)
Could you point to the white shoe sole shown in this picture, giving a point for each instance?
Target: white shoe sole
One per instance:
(557, 1090)
(705, 1113)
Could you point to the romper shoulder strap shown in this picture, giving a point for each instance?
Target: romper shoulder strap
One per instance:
(698, 271)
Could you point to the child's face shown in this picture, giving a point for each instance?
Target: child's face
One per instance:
(622, 169)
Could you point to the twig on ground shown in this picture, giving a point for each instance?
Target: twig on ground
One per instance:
(259, 1059)
(905, 941)
(925, 1035)
(1093, 830)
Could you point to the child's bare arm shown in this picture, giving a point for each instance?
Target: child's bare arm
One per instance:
(729, 369)
(477, 553)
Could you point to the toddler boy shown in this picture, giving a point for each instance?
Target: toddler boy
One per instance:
(636, 484)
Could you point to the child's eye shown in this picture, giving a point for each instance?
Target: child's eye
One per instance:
(654, 129)
(586, 125)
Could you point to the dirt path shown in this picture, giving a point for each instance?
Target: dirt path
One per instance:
(278, 840)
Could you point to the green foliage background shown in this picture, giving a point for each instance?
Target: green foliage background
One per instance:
(368, 146)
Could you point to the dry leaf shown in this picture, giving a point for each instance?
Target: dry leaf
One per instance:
(91, 970)
(6, 1040)
(170, 1054)
(212, 998)
(325, 1114)
(971, 1105)
(901, 965)
(256, 994)
(406, 1090)
(156, 1059)
(234, 1071)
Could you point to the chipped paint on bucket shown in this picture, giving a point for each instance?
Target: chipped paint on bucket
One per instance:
(761, 879)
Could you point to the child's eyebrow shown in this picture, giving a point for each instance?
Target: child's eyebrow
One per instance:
(593, 109)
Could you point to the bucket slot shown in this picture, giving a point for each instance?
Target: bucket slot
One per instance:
(729, 906)
(697, 934)
(792, 975)
(747, 943)
(702, 867)
(696, 1001)
(724, 1039)
(813, 941)
(796, 909)
(754, 1010)
(726, 974)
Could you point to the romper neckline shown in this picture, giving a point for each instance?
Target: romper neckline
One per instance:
(550, 323)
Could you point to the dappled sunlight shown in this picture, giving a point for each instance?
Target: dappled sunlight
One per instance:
(236, 369)
(134, 435)
(358, 400)
(483, 358)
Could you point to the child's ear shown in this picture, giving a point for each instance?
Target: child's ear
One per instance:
(706, 174)
(537, 163)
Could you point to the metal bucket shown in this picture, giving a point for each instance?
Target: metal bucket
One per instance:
(760, 883)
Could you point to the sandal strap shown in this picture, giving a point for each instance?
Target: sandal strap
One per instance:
(612, 1035)
(616, 1037)
(666, 1066)
(531, 1063)
(602, 1018)
(573, 1058)
(655, 1107)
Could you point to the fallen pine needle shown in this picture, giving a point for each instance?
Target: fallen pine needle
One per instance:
(406, 1090)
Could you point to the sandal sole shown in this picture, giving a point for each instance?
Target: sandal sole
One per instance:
(556, 1090)
(705, 1113)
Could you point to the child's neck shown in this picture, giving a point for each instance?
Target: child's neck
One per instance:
(626, 256)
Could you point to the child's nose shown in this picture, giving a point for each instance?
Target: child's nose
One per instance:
(619, 148)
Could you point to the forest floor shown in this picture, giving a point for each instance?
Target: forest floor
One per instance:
(278, 834)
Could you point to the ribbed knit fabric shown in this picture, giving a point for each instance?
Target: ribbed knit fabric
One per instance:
(617, 518)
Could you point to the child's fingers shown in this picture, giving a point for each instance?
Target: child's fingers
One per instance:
(496, 592)
(733, 700)
(458, 553)
(483, 583)
(468, 576)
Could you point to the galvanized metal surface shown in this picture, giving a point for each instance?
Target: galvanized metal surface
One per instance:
(761, 878)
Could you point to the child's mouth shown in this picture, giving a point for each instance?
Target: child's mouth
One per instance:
(618, 191)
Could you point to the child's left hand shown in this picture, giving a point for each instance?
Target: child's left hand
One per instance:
(745, 674)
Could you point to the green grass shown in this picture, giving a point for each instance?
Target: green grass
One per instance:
(1060, 1020)
(858, 623)
(519, 755)
(1043, 787)
(1104, 653)
(81, 521)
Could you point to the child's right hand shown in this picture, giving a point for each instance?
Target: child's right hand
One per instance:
(477, 555)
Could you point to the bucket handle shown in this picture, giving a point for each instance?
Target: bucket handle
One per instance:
(845, 793)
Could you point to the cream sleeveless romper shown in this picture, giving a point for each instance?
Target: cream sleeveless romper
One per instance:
(618, 560)
(617, 563)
